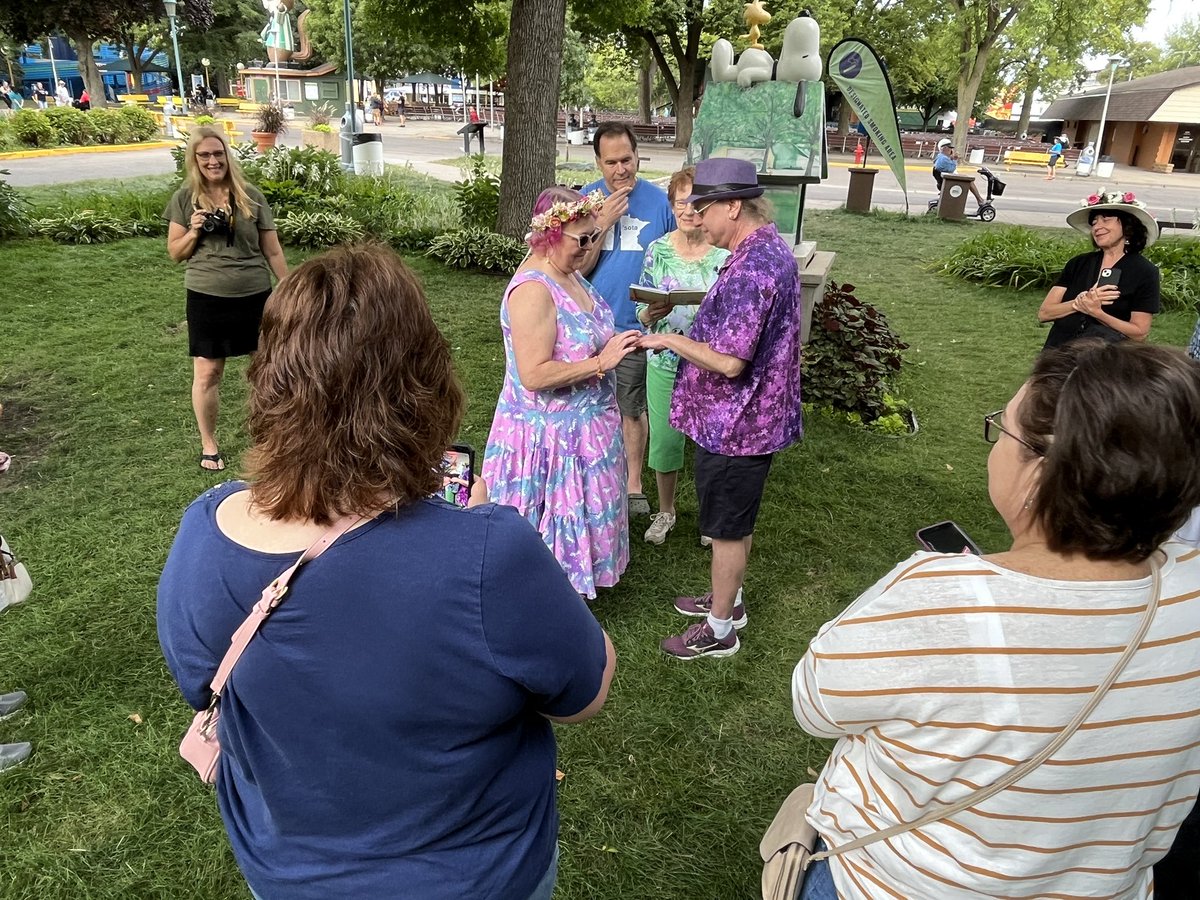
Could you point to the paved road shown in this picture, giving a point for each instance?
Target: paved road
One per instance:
(1028, 199)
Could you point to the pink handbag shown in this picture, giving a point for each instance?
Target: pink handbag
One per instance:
(201, 746)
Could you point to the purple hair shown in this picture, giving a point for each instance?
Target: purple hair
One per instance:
(544, 241)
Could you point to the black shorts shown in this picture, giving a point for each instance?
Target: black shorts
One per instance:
(729, 489)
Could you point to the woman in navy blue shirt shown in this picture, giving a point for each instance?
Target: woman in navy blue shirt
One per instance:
(387, 732)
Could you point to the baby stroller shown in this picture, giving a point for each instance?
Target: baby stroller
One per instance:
(995, 188)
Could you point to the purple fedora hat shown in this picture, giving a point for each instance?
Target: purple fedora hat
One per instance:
(721, 178)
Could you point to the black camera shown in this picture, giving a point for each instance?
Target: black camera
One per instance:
(215, 222)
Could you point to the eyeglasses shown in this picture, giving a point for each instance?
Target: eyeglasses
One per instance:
(207, 155)
(586, 240)
(701, 210)
(993, 428)
(682, 205)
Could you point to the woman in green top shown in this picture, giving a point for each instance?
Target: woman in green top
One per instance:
(222, 228)
(680, 259)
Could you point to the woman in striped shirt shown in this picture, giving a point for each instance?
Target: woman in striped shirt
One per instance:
(954, 669)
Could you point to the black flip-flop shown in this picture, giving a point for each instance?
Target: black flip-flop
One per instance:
(214, 458)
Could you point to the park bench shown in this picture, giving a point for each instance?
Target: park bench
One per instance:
(228, 102)
(1019, 157)
(135, 99)
(162, 101)
(250, 107)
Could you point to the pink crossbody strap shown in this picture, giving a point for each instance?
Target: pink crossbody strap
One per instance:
(272, 596)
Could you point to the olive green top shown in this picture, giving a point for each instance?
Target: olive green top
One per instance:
(218, 267)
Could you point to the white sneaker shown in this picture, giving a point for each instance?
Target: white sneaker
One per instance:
(705, 540)
(660, 524)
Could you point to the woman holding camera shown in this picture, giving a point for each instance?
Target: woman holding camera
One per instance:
(222, 229)
(387, 732)
(1062, 671)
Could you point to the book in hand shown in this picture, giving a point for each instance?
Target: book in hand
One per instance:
(656, 297)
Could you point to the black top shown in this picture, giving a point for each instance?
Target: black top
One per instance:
(1139, 293)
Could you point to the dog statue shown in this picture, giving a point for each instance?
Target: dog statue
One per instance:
(800, 59)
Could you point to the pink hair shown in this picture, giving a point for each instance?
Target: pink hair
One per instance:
(544, 241)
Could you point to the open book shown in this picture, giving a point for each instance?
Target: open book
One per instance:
(655, 297)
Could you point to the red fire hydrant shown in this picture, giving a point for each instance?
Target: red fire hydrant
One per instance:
(859, 154)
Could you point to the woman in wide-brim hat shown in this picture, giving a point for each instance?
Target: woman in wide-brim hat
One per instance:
(1113, 291)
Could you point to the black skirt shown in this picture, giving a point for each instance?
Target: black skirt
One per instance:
(220, 327)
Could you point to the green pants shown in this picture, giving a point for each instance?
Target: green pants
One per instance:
(666, 444)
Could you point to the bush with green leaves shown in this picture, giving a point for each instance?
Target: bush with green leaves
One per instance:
(33, 128)
(318, 230)
(109, 126)
(140, 123)
(14, 210)
(73, 126)
(1021, 258)
(478, 195)
(852, 356)
(478, 248)
(8, 137)
(389, 209)
(87, 226)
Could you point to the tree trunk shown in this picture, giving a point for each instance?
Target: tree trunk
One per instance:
(974, 51)
(1031, 88)
(843, 118)
(535, 48)
(88, 70)
(645, 85)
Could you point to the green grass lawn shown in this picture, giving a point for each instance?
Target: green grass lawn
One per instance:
(667, 791)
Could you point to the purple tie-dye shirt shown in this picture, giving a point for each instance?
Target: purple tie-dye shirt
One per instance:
(751, 312)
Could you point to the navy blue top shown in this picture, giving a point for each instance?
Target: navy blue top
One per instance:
(381, 735)
(648, 218)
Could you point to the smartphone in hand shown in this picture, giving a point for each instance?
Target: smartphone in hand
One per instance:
(946, 537)
(1109, 277)
(458, 473)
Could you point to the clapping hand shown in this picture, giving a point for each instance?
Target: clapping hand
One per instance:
(1092, 302)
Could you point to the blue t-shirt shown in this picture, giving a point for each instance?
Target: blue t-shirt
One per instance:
(382, 735)
(648, 218)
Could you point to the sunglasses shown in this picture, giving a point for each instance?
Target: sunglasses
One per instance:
(993, 427)
(215, 154)
(586, 240)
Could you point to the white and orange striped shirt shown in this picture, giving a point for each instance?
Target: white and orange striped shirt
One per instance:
(952, 670)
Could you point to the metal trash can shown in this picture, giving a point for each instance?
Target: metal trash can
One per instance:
(368, 153)
(975, 156)
(1104, 168)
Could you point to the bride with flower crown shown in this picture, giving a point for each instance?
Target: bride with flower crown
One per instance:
(555, 451)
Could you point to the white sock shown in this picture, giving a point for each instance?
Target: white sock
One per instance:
(738, 598)
(720, 627)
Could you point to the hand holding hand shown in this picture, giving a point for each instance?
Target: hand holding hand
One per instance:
(654, 342)
(618, 347)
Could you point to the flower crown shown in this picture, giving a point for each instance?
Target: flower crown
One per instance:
(1126, 198)
(562, 211)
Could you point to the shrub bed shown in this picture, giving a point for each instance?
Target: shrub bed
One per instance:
(1021, 258)
(64, 125)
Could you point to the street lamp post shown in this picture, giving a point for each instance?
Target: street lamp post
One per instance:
(1112, 72)
(169, 6)
(207, 82)
(348, 126)
(242, 78)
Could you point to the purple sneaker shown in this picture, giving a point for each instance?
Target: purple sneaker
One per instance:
(698, 641)
(702, 606)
